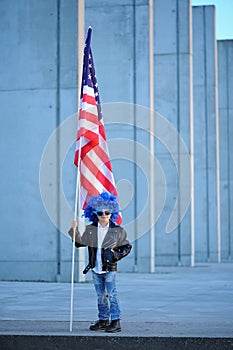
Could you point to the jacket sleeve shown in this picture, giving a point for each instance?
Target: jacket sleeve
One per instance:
(123, 247)
(79, 240)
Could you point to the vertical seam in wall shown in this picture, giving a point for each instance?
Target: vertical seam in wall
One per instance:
(152, 151)
(58, 140)
(228, 153)
(191, 141)
(178, 123)
(206, 137)
(135, 138)
(217, 149)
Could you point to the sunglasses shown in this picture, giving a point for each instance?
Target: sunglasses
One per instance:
(101, 213)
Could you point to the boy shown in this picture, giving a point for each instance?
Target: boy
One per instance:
(107, 244)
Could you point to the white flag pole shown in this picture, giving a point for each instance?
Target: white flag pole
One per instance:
(73, 254)
(81, 25)
(77, 195)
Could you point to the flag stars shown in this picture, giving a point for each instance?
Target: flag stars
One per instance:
(89, 77)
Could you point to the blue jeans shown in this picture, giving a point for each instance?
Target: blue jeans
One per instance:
(108, 303)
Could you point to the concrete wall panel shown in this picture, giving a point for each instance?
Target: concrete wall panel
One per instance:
(31, 108)
(69, 46)
(225, 71)
(28, 35)
(28, 237)
(173, 91)
(165, 12)
(112, 49)
(205, 136)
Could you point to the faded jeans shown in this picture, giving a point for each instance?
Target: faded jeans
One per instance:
(108, 303)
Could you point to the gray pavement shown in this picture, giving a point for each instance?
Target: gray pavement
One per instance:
(172, 302)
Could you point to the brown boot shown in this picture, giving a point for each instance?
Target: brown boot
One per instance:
(115, 326)
(99, 325)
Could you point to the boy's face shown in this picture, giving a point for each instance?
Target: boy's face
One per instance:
(104, 216)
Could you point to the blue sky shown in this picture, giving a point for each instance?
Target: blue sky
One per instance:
(224, 16)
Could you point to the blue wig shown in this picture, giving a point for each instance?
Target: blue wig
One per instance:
(103, 200)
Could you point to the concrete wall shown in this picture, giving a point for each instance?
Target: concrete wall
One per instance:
(225, 93)
(38, 91)
(207, 244)
(31, 100)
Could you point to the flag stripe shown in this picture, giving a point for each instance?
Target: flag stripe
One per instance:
(88, 99)
(89, 108)
(100, 172)
(104, 156)
(90, 181)
(87, 115)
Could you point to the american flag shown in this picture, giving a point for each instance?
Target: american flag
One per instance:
(91, 154)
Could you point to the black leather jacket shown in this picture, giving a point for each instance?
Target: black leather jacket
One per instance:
(115, 239)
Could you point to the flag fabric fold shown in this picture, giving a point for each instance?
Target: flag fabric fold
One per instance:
(91, 153)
